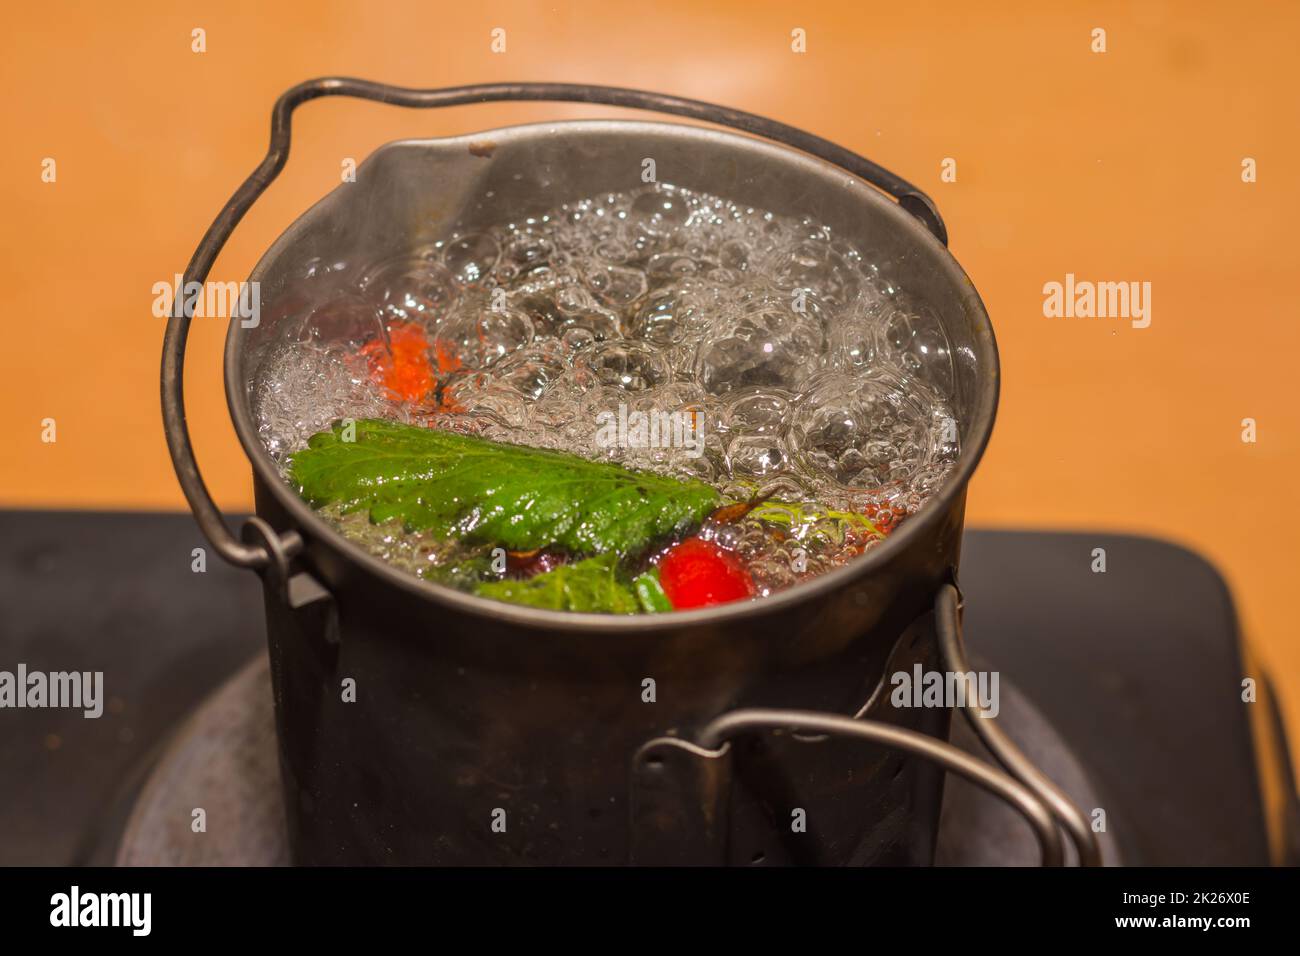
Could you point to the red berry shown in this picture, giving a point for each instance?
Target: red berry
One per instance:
(697, 573)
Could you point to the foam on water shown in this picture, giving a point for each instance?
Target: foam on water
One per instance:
(814, 380)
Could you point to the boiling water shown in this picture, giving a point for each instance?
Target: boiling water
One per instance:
(804, 374)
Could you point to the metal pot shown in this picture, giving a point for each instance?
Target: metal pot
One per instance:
(486, 733)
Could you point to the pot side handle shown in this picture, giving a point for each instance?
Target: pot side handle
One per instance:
(206, 513)
(1044, 806)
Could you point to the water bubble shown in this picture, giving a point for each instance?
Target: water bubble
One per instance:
(545, 312)
(471, 258)
(411, 288)
(561, 401)
(529, 258)
(572, 298)
(660, 212)
(757, 411)
(475, 336)
(666, 318)
(861, 431)
(461, 389)
(854, 335)
(599, 324)
(629, 366)
(344, 319)
(577, 337)
(817, 266)
(615, 286)
(757, 456)
(734, 255)
(665, 267)
(530, 370)
(913, 338)
(775, 347)
(503, 406)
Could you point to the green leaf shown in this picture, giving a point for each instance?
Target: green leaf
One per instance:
(488, 492)
(463, 574)
(650, 593)
(791, 515)
(591, 585)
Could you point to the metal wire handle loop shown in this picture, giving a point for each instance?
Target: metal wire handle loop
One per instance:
(984, 775)
(1043, 804)
(1012, 758)
(205, 510)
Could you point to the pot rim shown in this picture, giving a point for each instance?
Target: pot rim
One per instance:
(315, 529)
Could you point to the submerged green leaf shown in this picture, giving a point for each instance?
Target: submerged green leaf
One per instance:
(591, 585)
(650, 593)
(488, 492)
(788, 514)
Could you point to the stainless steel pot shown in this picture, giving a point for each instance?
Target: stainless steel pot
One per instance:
(484, 732)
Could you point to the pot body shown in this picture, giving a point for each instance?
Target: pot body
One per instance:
(460, 720)
(420, 725)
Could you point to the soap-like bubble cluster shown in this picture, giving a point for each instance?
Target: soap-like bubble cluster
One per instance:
(808, 376)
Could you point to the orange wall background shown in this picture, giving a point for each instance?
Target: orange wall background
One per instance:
(1117, 166)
